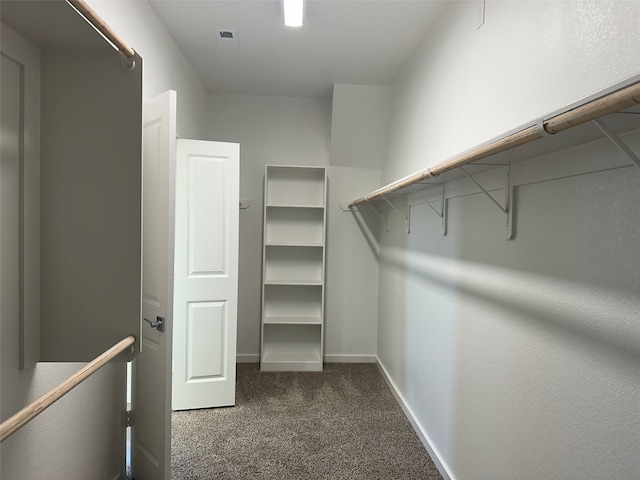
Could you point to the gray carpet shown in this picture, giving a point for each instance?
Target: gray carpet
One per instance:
(342, 423)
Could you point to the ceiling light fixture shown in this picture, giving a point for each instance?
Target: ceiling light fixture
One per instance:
(293, 13)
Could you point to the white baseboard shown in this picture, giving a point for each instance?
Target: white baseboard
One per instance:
(424, 438)
(255, 358)
(350, 358)
(247, 358)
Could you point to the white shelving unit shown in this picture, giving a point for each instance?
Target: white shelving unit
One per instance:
(293, 268)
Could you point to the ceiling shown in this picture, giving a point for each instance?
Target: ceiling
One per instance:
(362, 42)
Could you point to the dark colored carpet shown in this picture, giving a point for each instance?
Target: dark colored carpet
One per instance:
(342, 423)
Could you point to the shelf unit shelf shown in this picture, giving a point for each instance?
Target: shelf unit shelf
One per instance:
(291, 282)
(292, 244)
(291, 347)
(280, 358)
(288, 206)
(293, 320)
(293, 268)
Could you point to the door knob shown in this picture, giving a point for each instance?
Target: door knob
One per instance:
(158, 324)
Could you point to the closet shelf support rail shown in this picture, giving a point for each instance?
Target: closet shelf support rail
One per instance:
(94, 19)
(610, 134)
(612, 102)
(28, 413)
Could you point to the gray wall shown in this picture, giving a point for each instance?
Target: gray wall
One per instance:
(517, 359)
(90, 235)
(81, 436)
(56, 443)
(297, 131)
(165, 68)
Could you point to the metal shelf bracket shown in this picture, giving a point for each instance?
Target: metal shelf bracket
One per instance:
(386, 223)
(509, 200)
(484, 190)
(406, 219)
(510, 208)
(391, 204)
(617, 141)
(443, 207)
(439, 213)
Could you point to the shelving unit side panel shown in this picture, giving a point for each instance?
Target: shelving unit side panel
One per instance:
(324, 259)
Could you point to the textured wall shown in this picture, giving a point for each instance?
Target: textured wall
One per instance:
(297, 131)
(352, 269)
(519, 359)
(359, 118)
(270, 130)
(468, 85)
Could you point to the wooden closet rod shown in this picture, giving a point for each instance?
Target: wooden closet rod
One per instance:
(609, 103)
(28, 413)
(94, 19)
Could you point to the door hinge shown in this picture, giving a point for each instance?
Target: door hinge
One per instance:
(129, 418)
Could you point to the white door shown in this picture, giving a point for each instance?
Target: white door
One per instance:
(151, 434)
(206, 274)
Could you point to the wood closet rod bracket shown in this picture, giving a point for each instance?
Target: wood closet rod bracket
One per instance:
(617, 141)
(541, 130)
(127, 63)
